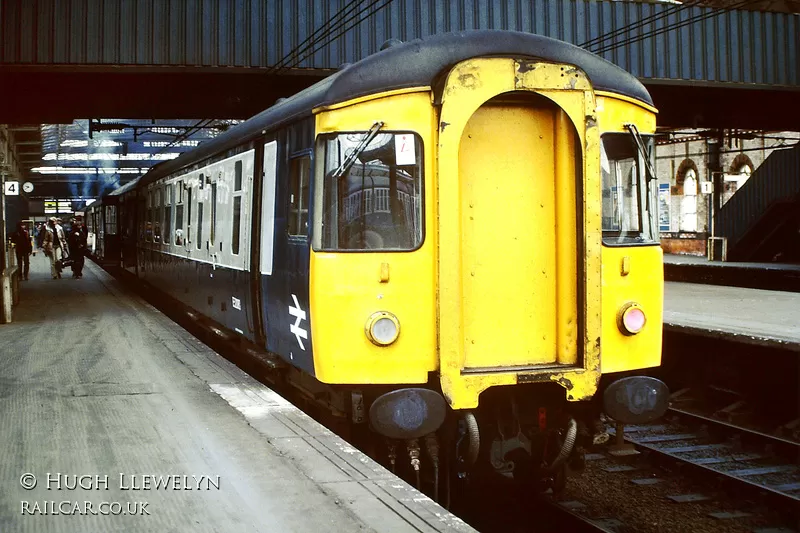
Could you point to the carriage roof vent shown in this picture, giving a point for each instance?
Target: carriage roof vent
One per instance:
(280, 100)
(344, 65)
(391, 43)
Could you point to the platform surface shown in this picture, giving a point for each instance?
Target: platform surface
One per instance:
(102, 394)
(695, 260)
(784, 277)
(748, 315)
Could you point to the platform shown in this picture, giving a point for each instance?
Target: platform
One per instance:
(769, 318)
(769, 276)
(114, 415)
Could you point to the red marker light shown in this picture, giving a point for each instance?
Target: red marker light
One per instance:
(632, 319)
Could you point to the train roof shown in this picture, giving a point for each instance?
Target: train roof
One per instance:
(125, 188)
(415, 63)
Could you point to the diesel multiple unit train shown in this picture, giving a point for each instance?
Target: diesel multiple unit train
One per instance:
(452, 242)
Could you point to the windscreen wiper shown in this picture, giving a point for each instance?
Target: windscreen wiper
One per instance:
(637, 138)
(351, 158)
(649, 170)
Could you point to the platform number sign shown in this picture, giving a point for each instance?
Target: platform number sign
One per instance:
(12, 188)
(404, 149)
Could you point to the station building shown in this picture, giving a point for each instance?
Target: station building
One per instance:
(689, 163)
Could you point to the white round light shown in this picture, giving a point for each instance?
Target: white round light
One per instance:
(383, 328)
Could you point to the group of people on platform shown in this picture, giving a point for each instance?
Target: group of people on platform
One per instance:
(58, 245)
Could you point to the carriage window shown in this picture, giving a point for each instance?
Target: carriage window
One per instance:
(168, 214)
(148, 225)
(158, 217)
(188, 215)
(179, 225)
(111, 219)
(626, 195)
(298, 195)
(213, 213)
(237, 216)
(237, 179)
(199, 224)
(372, 202)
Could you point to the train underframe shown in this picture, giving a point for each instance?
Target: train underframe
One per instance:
(525, 435)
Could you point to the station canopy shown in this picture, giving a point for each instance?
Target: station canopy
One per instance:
(92, 157)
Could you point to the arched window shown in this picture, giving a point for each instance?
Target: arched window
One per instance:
(738, 173)
(690, 183)
(688, 220)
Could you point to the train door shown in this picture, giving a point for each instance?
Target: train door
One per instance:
(285, 244)
(508, 204)
(141, 220)
(131, 233)
(511, 260)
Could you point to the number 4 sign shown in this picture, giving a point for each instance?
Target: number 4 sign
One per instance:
(404, 150)
(12, 188)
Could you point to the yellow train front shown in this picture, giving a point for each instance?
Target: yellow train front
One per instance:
(484, 249)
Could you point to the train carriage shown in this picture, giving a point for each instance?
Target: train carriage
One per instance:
(109, 222)
(454, 236)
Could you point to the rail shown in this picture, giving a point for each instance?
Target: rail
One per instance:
(748, 459)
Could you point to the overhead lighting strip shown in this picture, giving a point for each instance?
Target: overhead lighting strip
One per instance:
(110, 157)
(88, 170)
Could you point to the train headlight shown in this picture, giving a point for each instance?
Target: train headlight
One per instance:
(382, 328)
(631, 319)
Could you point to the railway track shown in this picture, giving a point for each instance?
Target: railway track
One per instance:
(514, 511)
(572, 519)
(746, 459)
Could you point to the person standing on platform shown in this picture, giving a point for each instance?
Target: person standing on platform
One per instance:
(55, 247)
(40, 231)
(84, 231)
(77, 247)
(22, 242)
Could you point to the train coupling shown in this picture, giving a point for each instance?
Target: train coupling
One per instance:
(636, 399)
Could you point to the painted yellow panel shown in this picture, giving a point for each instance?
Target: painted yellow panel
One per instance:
(613, 113)
(347, 288)
(566, 228)
(468, 87)
(644, 281)
(508, 275)
(644, 284)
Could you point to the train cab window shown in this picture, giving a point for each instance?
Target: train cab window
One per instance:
(299, 168)
(369, 197)
(627, 195)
